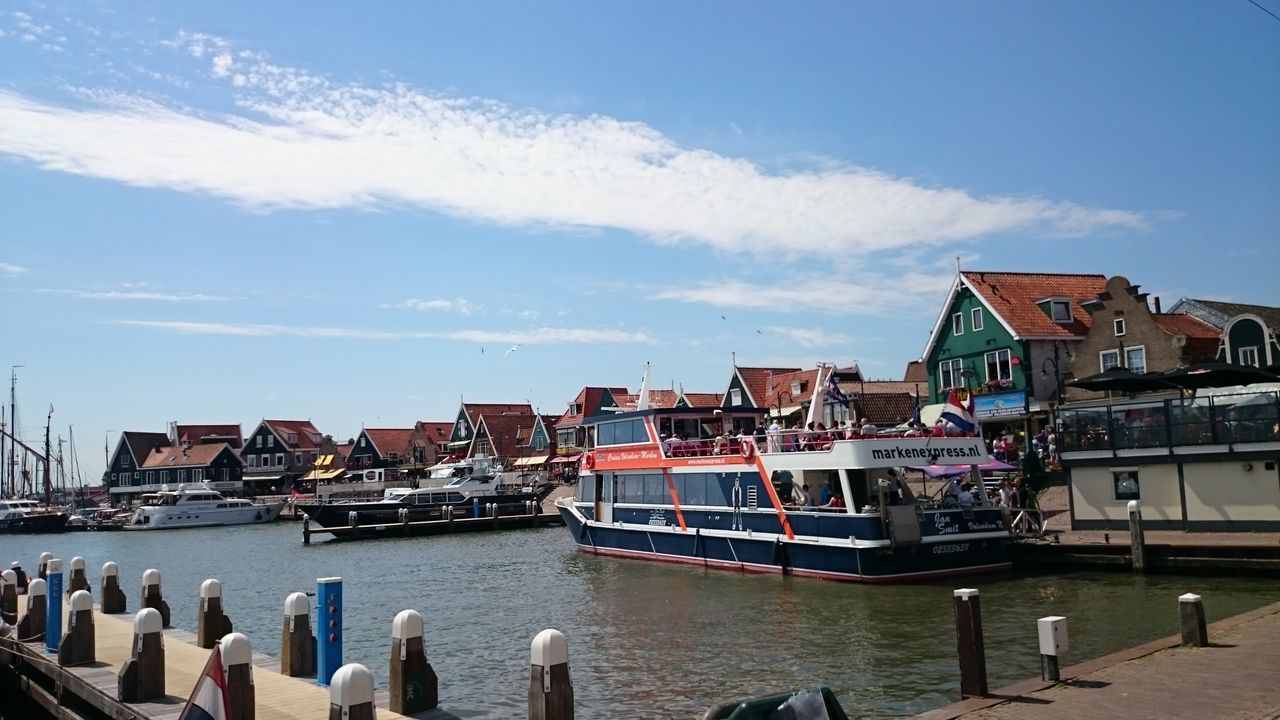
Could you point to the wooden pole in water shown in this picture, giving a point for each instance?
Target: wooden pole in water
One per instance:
(1137, 541)
(297, 644)
(32, 625)
(237, 661)
(550, 689)
(141, 677)
(414, 685)
(113, 600)
(1191, 620)
(969, 643)
(151, 596)
(78, 580)
(351, 694)
(211, 622)
(306, 530)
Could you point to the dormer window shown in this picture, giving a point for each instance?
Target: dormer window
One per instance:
(796, 388)
(1118, 325)
(1060, 310)
(735, 397)
(293, 438)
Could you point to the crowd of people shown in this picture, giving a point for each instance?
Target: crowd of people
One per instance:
(775, 438)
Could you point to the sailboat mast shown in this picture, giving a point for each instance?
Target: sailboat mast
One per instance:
(48, 481)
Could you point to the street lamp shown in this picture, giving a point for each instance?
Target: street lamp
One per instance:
(1055, 361)
(777, 401)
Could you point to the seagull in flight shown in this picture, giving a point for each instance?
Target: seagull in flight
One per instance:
(513, 349)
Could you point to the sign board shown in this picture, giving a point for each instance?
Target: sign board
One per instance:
(1004, 404)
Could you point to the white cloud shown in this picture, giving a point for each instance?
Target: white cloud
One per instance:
(870, 294)
(135, 295)
(11, 269)
(457, 305)
(302, 141)
(531, 336)
(808, 337)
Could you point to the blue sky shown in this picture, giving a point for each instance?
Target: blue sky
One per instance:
(224, 212)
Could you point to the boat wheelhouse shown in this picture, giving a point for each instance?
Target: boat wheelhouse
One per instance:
(738, 502)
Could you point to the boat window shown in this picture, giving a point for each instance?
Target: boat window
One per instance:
(222, 505)
(631, 488)
(622, 432)
(454, 497)
(719, 489)
(692, 488)
(655, 490)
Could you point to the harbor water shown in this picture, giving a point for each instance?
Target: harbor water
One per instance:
(646, 640)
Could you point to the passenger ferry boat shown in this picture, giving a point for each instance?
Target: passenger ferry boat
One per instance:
(189, 507)
(637, 498)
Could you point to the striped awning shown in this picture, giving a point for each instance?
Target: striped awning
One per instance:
(528, 461)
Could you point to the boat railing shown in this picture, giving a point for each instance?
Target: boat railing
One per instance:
(785, 441)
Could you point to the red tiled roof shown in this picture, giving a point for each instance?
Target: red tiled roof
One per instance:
(195, 456)
(916, 372)
(704, 400)
(1202, 338)
(1013, 296)
(343, 451)
(195, 434)
(475, 410)
(880, 387)
(757, 382)
(302, 429)
(389, 440)
(588, 399)
(506, 431)
(658, 398)
(142, 443)
(887, 409)
(437, 431)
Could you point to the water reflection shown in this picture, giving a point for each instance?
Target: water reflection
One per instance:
(646, 639)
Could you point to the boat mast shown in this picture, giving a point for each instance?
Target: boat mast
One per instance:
(48, 481)
(13, 425)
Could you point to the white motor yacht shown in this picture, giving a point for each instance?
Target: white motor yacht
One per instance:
(199, 507)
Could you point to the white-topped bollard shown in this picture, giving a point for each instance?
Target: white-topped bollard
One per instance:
(78, 579)
(141, 677)
(1191, 620)
(152, 597)
(9, 596)
(414, 685)
(297, 644)
(77, 646)
(32, 625)
(351, 694)
(1137, 540)
(237, 662)
(113, 600)
(211, 622)
(550, 688)
(1052, 632)
(969, 643)
(42, 566)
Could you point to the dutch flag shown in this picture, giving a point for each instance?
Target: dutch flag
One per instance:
(208, 700)
(957, 414)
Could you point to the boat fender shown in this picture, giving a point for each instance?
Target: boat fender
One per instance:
(747, 449)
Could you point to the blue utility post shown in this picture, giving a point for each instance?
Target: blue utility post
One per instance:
(475, 507)
(329, 628)
(53, 607)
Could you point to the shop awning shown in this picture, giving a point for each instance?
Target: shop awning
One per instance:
(567, 459)
(324, 474)
(528, 461)
(261, 478)
(459, 443)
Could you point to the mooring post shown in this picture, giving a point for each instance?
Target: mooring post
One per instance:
(1053, 642)
(351, 694)
(9, 596)
(32, 626)
(237, 661)
(42, 567)
(969, 643)
(53, 608)
(152, 597)
(78, 579)
(211, 622)
(297, 644)
(141, 677)
(329, 629)
(113, 600)
(1137, 541)
(1191, 619)
(77, 646)
(550, 689)
(414, 685)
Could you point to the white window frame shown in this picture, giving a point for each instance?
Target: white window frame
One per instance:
(271, 441)
(251, 460)
(361, 441)
(1102, 360)
(1246, 351)
(257, 441)
(279, 459)
(957, 324)
(1128, 365)
(975, 319)
(1118, 326)
(735, 396)
(957, 373)
(1008, 363)
(1053, 311)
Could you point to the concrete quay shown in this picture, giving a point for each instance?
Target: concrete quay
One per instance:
(1233, 677)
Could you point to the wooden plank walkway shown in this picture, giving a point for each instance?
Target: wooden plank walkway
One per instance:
(1235, 677)
(278, 697)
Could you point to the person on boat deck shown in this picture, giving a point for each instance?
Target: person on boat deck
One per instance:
(939, 430)
(722, 444)
(966, 498)
(775, 436)
(835, 503)
(759, 435)
(674, 445)
(824, 495)
(20, 577)
(801, 497)
(951, 493)
(867, 429)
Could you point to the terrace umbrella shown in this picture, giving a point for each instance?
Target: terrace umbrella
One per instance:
(1118, 379)
(1216, 374)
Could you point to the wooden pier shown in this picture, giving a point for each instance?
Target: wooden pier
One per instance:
(433, 527)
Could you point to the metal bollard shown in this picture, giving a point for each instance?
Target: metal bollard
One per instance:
(1052, 631)
(78, 579)
(113, 600)
(77, 646)
(550, 688)
(297, 644)
(32, 625)
(211, 621)
(1191, 620)
(1137, 540)
(351, 694)
(237, 661)
(414, 685)
(152, 597)
(969, 643)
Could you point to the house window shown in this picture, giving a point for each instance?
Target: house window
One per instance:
(796, 388)
(1060, 310)
(293, 438)
(1126, 483)
(124, 461)
(975, 319)
(271, 441)
(949, 374)
(1249, 356)
(257, 442)
(1108, 359)
(279, 459)
(957, 324)
(999, 366)
(1118, 325)
(735, 397)
(253, 460)
(182, 476)
(197, 475)
(1135, 359)
(361, 441)
(297, 458)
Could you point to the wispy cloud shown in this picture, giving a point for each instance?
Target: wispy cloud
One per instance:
(531, 336)
(456, 305)
(808, 337)
(301, 140)
(11, 269)
(135, 295)
(871, 294)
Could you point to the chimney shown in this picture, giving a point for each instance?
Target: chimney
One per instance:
(1157, 301)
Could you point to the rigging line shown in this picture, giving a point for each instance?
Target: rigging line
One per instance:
(1255, 4)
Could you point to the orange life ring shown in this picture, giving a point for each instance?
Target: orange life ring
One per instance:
(747, 449)
(589, 460)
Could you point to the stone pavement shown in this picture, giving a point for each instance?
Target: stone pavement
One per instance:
(1235, 677)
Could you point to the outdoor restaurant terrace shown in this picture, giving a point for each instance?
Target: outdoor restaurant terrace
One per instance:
(1248, 415)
